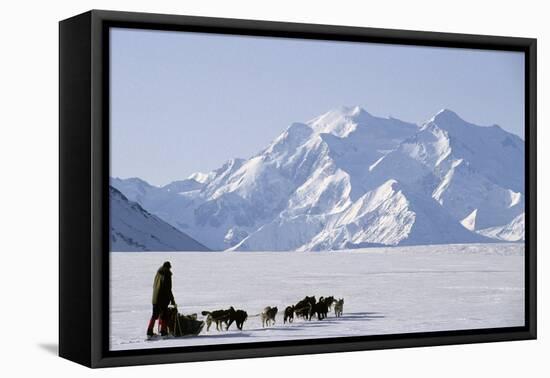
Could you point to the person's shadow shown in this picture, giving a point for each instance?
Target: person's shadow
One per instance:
(52, 348)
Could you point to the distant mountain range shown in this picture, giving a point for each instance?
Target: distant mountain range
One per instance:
(348, 179)
(135, 229)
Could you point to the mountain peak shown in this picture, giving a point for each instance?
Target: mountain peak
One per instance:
(200, 177)
(345, 112)
(446, 115)
(450, 121)
(133, 181)
(136, 180)
(351, 111)
(356, 110)
(340, 121)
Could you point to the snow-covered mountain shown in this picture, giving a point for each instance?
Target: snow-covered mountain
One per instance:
(476, 173)
(348, 179)
(513, 231)
(135, 229)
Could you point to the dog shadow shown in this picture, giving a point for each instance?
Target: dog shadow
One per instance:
(278, 327)
(314, 323)
(346, 317)
(355, 317)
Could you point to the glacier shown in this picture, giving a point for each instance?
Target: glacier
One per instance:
(348, 179)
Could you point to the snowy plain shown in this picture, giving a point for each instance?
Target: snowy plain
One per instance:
(386, 291)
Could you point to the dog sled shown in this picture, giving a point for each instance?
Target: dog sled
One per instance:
(183, 325)
(180, 325)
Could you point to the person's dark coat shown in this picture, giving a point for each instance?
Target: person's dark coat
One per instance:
(162, 287)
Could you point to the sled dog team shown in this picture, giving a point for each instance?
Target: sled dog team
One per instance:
(306, 309)
(170, 322)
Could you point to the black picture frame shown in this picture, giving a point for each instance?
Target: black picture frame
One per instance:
(84, 194)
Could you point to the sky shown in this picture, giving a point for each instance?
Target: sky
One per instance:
(187, 102)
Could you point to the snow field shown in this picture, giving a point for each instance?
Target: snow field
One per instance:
(386, 291)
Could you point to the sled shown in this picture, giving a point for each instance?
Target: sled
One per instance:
(180, 325)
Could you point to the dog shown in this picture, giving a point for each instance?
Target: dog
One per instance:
(237, 316)
(339, 307)
(330, 302)
(304, 308)
(321, 308)
(289, 314)
(268, 316)
(218, 317)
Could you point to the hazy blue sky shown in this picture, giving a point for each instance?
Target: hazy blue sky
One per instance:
(187, 102)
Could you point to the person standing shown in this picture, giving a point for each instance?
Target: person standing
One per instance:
(162, 297)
